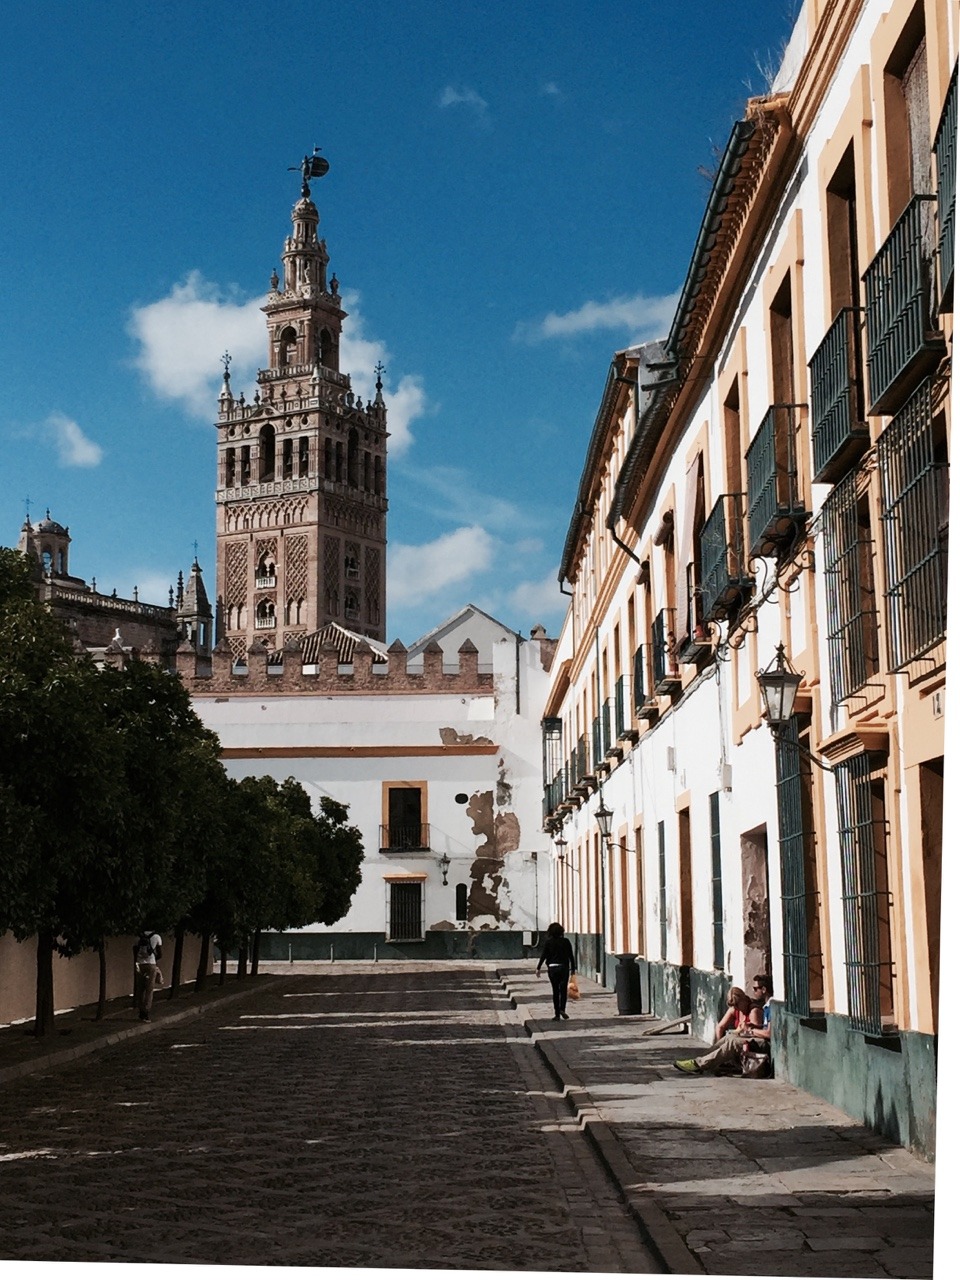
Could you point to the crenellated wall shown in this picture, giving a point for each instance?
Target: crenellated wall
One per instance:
(367, 672)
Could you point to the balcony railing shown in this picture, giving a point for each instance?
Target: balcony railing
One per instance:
(775, 511)
(644, 698)
(405, 837)
(945, 159)
(725, 580)
(902, 340)
(840, 434)
(665, 674)
(621, 717)
(265, 624)
(265, 581)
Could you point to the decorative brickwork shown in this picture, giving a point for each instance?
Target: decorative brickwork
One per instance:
(295, 569)
(371, 584)
(235, 592)
(331, 574)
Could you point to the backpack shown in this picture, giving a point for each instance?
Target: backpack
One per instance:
(143, 951)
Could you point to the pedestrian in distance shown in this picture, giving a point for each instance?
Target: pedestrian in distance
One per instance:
(733, 1034)
(147, 953)
(557, 955)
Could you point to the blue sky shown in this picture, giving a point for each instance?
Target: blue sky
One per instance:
(514, 193)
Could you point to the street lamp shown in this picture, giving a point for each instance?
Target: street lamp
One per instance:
(604, 817)
(778, 688)
(444, 864)
(561, 845)
(779, 683)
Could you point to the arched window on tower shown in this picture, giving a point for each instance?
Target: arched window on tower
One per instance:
(367, 471)
(378, 476)
(351, 606)
(61, 562)
(353, 458)
(288, 459)
(339, 467)
(268, 446)
(230, 468)
(266, 571)
(47, 561)
(265, 617)
(328, 459)
(328, 356)
(245, 464)
(288, 346)
(303, 458)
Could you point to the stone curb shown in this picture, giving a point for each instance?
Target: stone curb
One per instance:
(659, 1232)
(62, 1057)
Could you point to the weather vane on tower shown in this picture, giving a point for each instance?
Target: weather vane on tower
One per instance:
(314, 166)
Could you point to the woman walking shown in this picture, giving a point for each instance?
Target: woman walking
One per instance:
(558, 956)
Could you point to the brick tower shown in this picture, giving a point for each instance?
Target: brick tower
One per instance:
(301, 472)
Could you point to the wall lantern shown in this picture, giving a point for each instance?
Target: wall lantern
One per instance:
(778, 688)
(444, 864)
(604, 817)
(561, 845)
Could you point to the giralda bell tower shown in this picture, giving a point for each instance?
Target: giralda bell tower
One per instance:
(302, 471)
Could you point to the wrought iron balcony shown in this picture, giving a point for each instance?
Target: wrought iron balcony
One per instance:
(725, 580)
(554, 793)
(405, 837)
(583, 779)
(945, 159)
(622, 719)
(666, 677)
(902, 340)
(840, 434)
(775, 510)
(601, 740)
(644, 698)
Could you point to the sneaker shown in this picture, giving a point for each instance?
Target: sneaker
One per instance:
(688, 1066)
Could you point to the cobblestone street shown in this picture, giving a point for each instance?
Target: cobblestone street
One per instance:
(358, 1119)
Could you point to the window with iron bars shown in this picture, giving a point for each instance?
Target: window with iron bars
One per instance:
(799, 895)
(852, 642)
(866, 897)
(914, 488)
(716, 880)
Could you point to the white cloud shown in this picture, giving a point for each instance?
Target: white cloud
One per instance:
(541, 598)
(414, 574)
(183, 336)
(465, 97)
(642, 317)
(449, 493)
(551, 89)
(74, 449)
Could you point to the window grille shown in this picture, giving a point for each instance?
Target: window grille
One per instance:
(848, 578)
(717, 881)
(913, 485)
(665, 675)
(405, 912)
(797, 901)
(642, 688)
(726, 579)
(866, 904)
(620, 707)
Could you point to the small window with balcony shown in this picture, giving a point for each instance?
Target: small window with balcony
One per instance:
(405, 829)
(230, 468)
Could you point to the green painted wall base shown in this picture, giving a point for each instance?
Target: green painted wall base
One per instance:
(888, 1083)
(440, 944)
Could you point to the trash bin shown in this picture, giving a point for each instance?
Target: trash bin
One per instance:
(627, 984)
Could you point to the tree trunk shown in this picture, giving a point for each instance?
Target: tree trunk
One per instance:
(223, 963)
(43, 1022)
(204, 961)
(242, 959)
(177, 962)
(255, 957)
(102, 989)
